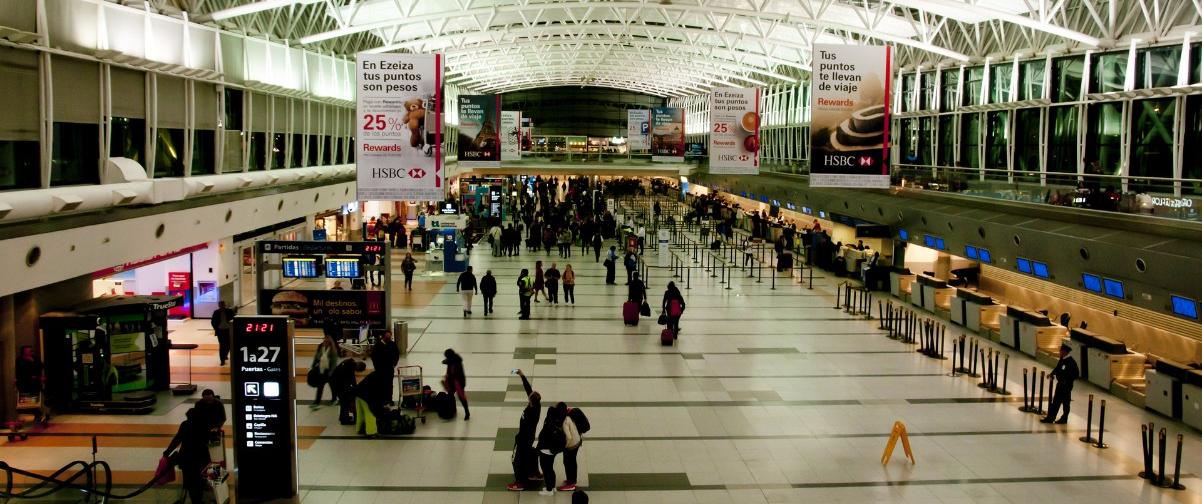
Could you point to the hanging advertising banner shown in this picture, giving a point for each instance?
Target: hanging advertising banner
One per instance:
(399, 154)
(849, 128)
(527, 133)
(667, 135)
(638, 129)
(480, 131)
(511, 139)
(734, 131)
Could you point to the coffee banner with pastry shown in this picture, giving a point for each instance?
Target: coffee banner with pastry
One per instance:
(667, 135)
(399, 154)
(511, 139)
(326, 308)
(849, 127)
(480, 131)
(734, 131)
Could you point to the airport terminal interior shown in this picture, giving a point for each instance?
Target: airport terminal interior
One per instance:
(567, 251)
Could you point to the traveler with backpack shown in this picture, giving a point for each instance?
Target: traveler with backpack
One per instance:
(551, 441)
(456, 379)
(525, 457)
(673, 307)
(575, 424)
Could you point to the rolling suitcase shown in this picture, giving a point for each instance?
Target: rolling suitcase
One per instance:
(666, 337)
(630, 313)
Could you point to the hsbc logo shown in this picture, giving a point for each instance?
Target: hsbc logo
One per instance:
(417, 173)
(865, 161)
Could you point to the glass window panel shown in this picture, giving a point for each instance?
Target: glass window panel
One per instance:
(926, 95)
(233, 109)
(974, 79)
(258, 152)
(231, 159)
(311, 150)
(1026, 141)
(20, 100)
(76, 90)
(1192, 167)
(1103, 139)
(1195, 63)
(297, 159)
(1152, 144)
(1109, 72)
(947, 140)
(997, 139)
(204, 152)
(1062, 141)
(926, 139)
(970, 140)
(999, 82)
(327, 151)
(950, 80)
(128, 139)
(351, 150)
(1030, 80)
(908, 91)
(20, 164)
(909, 141)
(1067, 73)
(1158, 67)
(76, 154)
(169, 153)
(128, 92)
(205, 101)
(279, 151)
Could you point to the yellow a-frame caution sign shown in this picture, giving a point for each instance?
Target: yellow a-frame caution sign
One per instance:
(899, 431)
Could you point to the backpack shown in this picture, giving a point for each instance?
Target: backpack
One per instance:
(580, 421)
(571, 434)
(674, 308)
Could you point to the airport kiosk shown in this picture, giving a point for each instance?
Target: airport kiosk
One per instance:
(309, 299)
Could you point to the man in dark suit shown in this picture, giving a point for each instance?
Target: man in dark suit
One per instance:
(222, 322)
(1065, 373)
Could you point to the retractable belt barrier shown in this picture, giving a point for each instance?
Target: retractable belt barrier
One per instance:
(1148, 438)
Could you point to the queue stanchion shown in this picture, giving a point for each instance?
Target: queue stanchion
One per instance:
(838, 291)
(1051, 390)
(773, 279)
(880, 311)
(1088, 437)
(811, 278)
(942, 340)
(1005, 375)
(1160, 481)
(1145, 438)
(759, 267)
(1101, 444)
(1026, 407)
(727, 271)
(1039, 405)
(986, 359)
(953, 373)
(868, 304)
(1176, 485)
(997, 360)
(688, 278)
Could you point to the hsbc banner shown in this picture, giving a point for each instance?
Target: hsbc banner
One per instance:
(667, 135)
(480, 131)
(399, 154)
(638, 129)
(735, 131)
(849, 128)
(511, 139)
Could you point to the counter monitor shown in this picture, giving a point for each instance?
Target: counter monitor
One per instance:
(1185, 307)
(1041, 269)
(984, 255)
(1023, 265)
(1114, 288)
(970, 252)
(1092, 283)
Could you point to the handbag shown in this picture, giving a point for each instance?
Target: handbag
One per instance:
(663, 319)
(165, 472)
(314, 378)
(645, 310)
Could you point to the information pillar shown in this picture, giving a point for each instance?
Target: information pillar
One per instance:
(264, 414)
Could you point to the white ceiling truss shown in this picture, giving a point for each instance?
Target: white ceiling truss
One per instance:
(686, 47)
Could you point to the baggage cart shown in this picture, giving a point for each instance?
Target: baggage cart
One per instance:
(410, 381)
(32, 417)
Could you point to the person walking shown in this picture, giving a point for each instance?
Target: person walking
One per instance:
(467, 287)
(636, 291)
(488, 289)
(553, 275)
(673, 307)
(192, 439)
(569, 284)
(394, 228)
(551, 442)
(1065, 373)
(494, 239)
(611, 265)
(525, 290)
(525, 457)
(385, 355)
(540, 281)
(565, 242)
(575, 424)
(223, 323)
(324, 360)
(596, 244)
(642, 234)
(408, 266)
(455, 380)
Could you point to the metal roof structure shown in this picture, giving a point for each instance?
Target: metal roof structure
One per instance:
(686, 47)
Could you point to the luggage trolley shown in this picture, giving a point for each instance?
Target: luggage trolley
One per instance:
(32, 417)
(410, 378)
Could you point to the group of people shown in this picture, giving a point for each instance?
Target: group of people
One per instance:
(562, 432)
(545, 283)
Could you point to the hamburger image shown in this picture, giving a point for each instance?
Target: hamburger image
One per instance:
(293, 304)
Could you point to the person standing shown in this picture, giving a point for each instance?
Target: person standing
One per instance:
(466, 286)
(551, 441)
(456, 380)
(575, 424)
(494, 239)
(569, 284)
(384, 357)
(596, 244)
(631, 262)
(222, 322)
(525, 457)
(539, 281)
(525, 290)
(611, 265)
(342, 384)
(1065, 373)
(636, 292)
(565, 242)
(553, 277)
(673, 307)
(408, 266)
(394, 227)
(30, 378)
(488, 289)
(642, 234)
(324, 360)
(192, 439)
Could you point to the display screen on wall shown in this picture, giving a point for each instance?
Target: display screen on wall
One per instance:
(300, 267)
(970, 252)
(342, 267)
(1114, 288)
(1023, 265)
(1185, 307)
(984, 256)
(1041, 269)
(1092, 283)
(903, 234)
(940, 244)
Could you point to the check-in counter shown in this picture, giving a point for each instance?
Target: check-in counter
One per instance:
(1008, 325)
(1164, 387)
(853, 258)
(969, 307)
(901, 284)
(1109, 360)
(1078, 340)
(931, 289)
(1191, 399)
(1034, 337)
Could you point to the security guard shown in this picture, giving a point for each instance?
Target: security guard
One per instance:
(525, 291)
(1065, 373)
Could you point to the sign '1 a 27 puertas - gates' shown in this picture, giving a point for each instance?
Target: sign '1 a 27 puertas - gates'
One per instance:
(399, 123)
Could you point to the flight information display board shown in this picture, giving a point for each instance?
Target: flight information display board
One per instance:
(264, 415)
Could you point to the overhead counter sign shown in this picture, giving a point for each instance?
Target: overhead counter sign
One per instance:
(399, 154)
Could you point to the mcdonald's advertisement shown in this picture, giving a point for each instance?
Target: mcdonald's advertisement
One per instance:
(849, 128)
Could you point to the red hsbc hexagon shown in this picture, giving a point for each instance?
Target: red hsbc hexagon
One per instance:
(417, 173)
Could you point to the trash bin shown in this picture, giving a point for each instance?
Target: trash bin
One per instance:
(400, 334)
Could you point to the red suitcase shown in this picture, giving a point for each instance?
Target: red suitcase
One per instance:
(630, 313)
(666, 337)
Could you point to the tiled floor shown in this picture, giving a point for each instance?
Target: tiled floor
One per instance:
(769, 396)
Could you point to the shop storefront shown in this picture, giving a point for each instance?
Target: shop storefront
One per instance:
(189, 273)
(483, 197)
